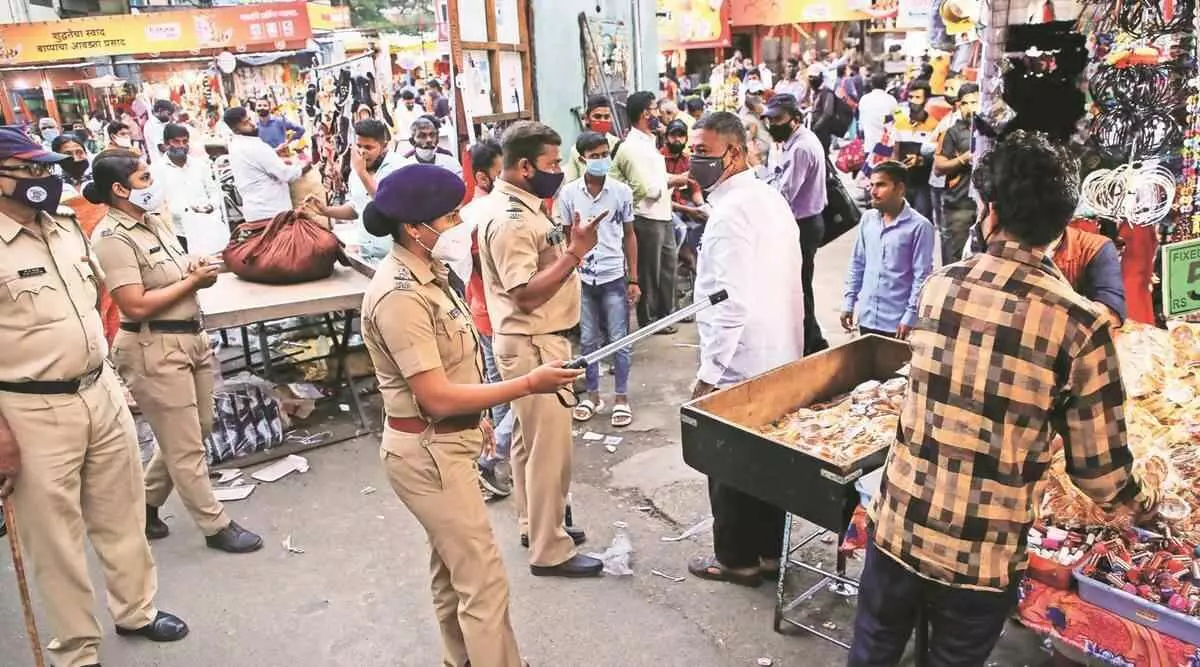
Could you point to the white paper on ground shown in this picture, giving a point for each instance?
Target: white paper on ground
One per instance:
(613, 439)
(305, 390)
(281, 468)
(232, 493)
(591, 435)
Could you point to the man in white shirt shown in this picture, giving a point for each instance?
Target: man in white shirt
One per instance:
(752, 251)
(260, 175)
(789, 84)
(425, 150)
(639, 164)
(406, 112)
(873, 110)
(370, 161)
(152, 131)
(194, 199)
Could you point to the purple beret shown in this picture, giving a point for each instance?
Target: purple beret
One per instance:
(413, 194)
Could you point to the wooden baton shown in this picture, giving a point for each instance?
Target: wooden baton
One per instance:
(14, 543)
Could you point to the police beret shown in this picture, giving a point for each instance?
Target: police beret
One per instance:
(411, 195)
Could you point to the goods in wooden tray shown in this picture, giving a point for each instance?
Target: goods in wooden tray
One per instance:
(847, 427)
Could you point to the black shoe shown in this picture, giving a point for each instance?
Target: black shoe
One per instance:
(667, 331)
(164, 628)
(156, 528)
(578, 536)
(577, 567)
(234, 539)
(493, 482)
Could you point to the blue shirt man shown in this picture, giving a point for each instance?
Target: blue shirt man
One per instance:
(893, 255)
(274, 129)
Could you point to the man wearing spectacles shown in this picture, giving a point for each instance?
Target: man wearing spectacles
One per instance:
(68, 447)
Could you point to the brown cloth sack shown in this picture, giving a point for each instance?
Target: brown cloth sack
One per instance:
(290, 248)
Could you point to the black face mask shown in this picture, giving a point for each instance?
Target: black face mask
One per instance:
(675, 148)
(253, 132)
(917, 111)
(374, 166)
(707, 171)
(264, 112)
(780, 133)
(74, 169)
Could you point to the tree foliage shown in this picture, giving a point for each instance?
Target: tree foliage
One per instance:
(406, 16)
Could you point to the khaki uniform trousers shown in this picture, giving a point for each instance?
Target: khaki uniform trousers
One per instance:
(436, 477)
(80, 471)
(170, 375)
(542, 449)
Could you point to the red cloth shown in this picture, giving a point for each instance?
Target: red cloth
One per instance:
(680, 164)
(1137, 268)
(475, 300)
(1098, 632)
(89, 216)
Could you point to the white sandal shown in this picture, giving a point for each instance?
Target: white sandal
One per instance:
(586, 410)
(622, 415)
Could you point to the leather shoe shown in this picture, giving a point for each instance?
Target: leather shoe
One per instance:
(234, 539)
(156, 528)
(577, 566)
(578, 536)
(164, 628)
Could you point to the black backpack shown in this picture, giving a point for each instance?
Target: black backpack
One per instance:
(843, 117)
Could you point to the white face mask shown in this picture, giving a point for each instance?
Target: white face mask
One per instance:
(148, 199)
(426, 154)
(453, 248)
(123, 142)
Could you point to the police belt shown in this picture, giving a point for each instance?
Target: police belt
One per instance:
(46, 387)
(453, 424)
(165, 326)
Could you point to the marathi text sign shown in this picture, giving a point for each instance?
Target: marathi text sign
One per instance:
(1181, 278)
(233, 28)
(786, 12)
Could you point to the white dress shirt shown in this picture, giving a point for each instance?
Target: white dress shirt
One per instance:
(873, 108)
(187, 188)
(152, 132)
(639, 154)
(261, 177)
(358, 197)
(751, 250)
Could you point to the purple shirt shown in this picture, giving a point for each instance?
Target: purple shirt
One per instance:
(799, 173)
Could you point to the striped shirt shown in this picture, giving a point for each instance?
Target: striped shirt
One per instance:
(1005, 354)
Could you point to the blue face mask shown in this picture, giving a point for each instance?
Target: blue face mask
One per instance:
(599, 166)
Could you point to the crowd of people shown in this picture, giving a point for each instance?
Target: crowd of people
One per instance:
(470, 315)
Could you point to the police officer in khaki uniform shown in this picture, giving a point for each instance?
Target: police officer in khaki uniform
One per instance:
(69, 459)
(532, 290)
(430, 370)
(162, 351)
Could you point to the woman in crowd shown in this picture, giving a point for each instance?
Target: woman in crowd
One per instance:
(161, 351)
(427, 359)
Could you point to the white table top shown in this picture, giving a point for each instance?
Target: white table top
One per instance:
(234, 302)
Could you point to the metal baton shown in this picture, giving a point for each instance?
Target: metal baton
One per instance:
(647, 331)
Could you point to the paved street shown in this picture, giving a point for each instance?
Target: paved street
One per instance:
(358, 595)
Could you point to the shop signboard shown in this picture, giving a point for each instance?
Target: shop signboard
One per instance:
(913, 14)
(787, 12)
(693, 24)
(235, 28)
(324, 18)
(1181, 278)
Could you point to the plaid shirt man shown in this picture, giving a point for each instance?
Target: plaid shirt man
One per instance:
(1004, 352)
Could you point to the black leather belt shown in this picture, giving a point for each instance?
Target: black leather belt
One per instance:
(165, 326)
(46, 387)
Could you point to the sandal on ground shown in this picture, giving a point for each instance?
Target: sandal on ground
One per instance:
(622, 415)
(708, 567)
(586, 410)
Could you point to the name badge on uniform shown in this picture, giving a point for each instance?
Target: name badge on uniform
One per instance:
(30, 273)
(556, 235)
(155, 249)
(455, 314)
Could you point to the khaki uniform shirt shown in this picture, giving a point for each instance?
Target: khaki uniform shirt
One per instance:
(143, 252)
(50, 327)
(413, 322)
(517, 240)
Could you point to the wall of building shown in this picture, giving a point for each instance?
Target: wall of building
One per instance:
(558, 59)
(21, 11)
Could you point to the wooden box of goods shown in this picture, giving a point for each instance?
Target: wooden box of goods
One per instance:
(799, 436)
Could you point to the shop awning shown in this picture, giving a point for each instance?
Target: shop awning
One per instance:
(781, 12)
(106, 81)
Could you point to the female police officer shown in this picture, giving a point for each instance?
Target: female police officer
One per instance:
(161, 351)
(430, 371)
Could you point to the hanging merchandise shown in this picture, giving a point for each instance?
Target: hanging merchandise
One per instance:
(1140, 193)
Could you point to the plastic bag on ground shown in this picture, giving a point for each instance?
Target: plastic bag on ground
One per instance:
(617, 557)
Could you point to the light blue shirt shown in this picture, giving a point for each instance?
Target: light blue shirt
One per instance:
(889, 265)
(606, 262)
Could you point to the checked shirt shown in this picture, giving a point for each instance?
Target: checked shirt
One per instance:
(1005, 354)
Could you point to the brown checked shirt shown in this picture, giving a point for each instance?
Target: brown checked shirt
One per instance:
(1005, 353)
